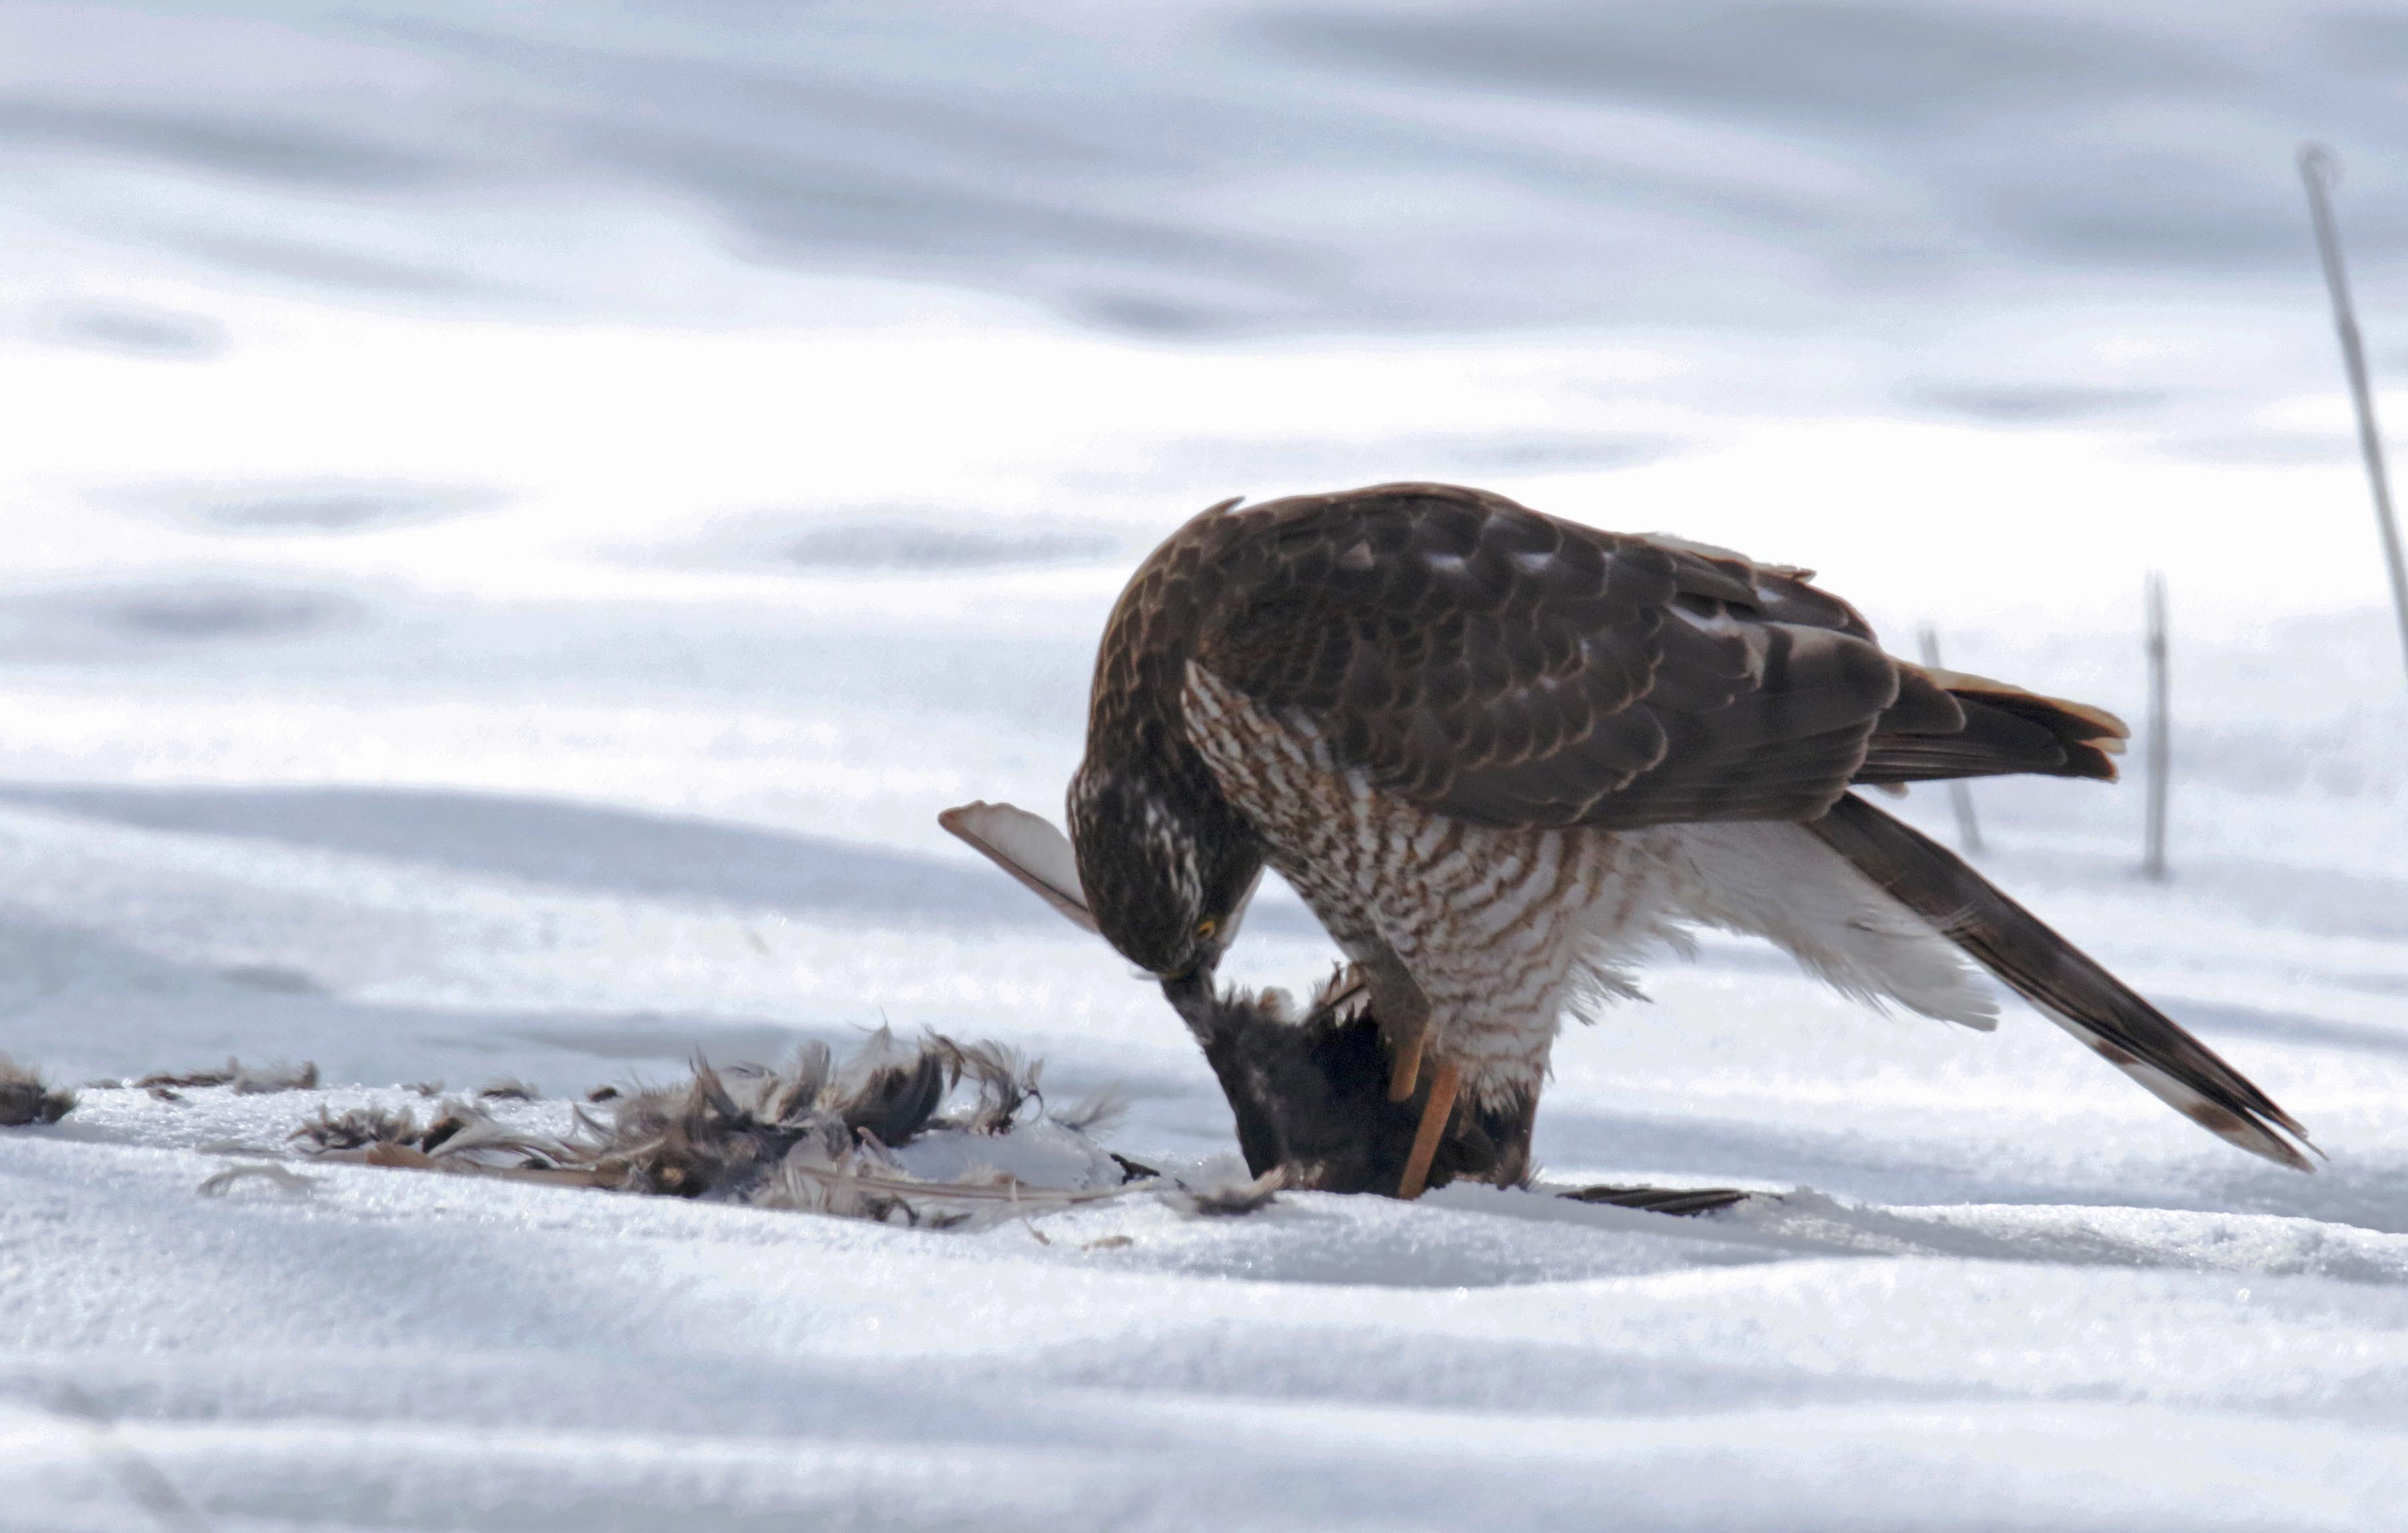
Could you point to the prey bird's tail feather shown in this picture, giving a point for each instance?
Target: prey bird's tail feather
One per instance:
(2061, 982)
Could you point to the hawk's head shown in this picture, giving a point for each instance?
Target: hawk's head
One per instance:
(1167, 878)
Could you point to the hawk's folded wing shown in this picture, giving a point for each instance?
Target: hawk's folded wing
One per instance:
(1513, 668)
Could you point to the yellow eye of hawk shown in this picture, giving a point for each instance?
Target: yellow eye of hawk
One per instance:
(1205, 927)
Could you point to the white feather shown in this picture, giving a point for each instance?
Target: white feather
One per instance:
(1027, 847)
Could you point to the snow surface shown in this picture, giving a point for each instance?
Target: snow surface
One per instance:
(511, 544)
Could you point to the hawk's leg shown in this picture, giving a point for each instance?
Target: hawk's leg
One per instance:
(1403, 1014)
(1437, 1113)
(1405, 1065)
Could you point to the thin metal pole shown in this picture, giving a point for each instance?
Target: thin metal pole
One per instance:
(2320, 170)
(2153, 856)
(1960, 795)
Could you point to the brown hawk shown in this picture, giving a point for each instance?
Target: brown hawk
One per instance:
(1503, 757)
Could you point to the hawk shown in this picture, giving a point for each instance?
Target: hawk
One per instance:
(1503, 757)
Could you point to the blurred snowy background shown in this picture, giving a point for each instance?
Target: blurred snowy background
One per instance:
(518, 516)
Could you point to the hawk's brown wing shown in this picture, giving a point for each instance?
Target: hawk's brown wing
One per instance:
(1512, 669)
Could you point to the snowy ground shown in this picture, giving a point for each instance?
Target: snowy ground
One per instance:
(442, 682)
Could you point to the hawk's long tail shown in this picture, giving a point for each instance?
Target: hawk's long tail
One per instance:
(2060, 980)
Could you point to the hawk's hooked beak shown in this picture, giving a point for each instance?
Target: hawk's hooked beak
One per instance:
(1190, 995)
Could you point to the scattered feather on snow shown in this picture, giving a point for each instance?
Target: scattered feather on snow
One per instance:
(1231, 1198)
(1674, 1200)
(26, 1099)
(281, 1178)
(246, 1081)
(361, 1127)
(814, 1135)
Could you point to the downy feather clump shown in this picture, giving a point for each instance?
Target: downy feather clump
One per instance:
(25, 1098)
(813, 1136)
(246, 1081)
